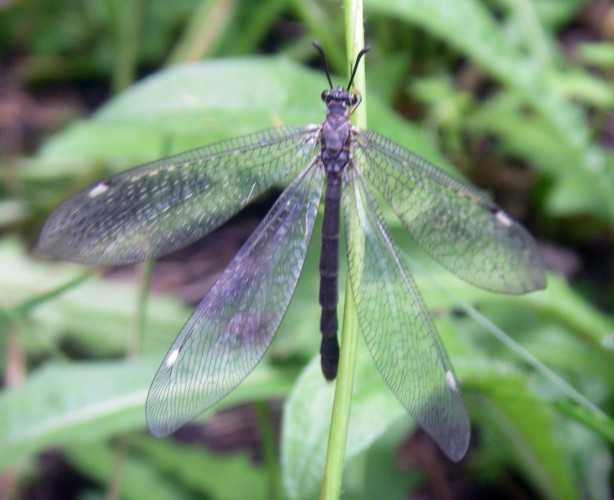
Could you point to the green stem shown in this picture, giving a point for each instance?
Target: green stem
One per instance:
(267, 436)
(124, 23)
(204, 31)
(261, 19)
(135, 340)
(314, 18)
(335, 456)
(355, 42)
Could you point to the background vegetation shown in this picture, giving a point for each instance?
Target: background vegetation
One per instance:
(516, 94)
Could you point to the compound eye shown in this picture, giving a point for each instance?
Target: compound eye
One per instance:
(353, 99)
(324, 96)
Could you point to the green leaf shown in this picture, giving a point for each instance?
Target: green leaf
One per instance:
(307, 416)
(601, 425)
(523, 428)
(208, 473)
(470, 28)
(62, 405)
(192, 105)
(72, 403)
(138, 478)
(374, 410)
(559, 305)
(97, 315)
(597, 54)
(531, 138)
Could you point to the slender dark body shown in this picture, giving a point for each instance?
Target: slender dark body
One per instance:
(336, 156)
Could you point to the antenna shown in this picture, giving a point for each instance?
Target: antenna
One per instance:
(358, 58)
(323, 57)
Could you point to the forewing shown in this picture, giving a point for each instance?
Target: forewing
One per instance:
(456, 225)
(161, 206)
(234, 324)
(397, 328)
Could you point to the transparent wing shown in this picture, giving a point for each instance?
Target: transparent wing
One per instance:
(234, 324)
(397, 328)
(456, 225)
(158, 207)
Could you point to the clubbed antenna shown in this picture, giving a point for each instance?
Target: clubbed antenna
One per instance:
(358, 58)
(323, 57)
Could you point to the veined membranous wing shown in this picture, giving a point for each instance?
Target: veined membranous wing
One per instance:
(233, 326)
(452, 221)
(163, 205)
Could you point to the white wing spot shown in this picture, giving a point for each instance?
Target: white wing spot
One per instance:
(451, 381)
(503, 218)
(99, 189)
(172, 358)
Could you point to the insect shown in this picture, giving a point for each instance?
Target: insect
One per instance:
(161, 206)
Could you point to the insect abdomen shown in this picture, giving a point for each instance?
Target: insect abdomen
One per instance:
(329, 271)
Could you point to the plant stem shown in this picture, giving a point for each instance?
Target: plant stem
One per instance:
(135, 340)
(133, 349)
(267, 437)
(335, 456)
(203, 31)
(124, 23)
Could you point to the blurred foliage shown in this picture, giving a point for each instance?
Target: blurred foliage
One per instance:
(517, 94)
